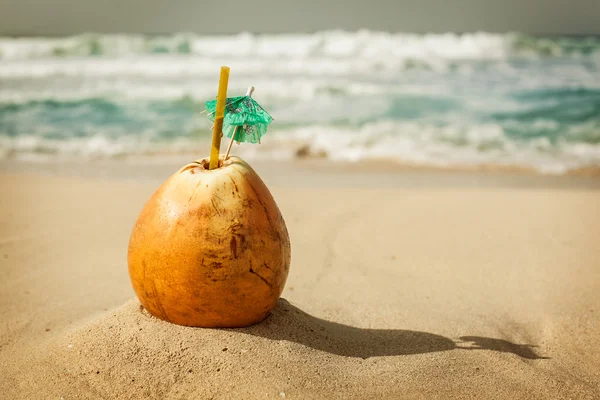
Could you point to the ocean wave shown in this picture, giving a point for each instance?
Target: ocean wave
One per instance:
(416, 143)
(446, 100)
(172, 79)
(336, 44)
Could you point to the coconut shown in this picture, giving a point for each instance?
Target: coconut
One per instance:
(210, 248)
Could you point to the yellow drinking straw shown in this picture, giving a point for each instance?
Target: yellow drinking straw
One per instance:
(219, 115)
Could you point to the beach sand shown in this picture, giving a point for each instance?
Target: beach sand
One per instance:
(403, 284)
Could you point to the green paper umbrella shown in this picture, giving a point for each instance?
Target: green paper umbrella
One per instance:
(244, 118)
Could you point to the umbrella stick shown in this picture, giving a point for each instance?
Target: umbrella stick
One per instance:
(249, 94)
(219, 114)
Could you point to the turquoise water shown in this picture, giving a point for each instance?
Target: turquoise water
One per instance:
(472, 99)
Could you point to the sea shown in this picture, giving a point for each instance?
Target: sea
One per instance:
(441, 100)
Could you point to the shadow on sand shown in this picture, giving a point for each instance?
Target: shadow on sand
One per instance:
(288, 322)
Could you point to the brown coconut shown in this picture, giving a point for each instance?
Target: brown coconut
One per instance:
(210, 248)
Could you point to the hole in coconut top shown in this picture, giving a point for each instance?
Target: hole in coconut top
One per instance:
(205, 162)
(203, 165)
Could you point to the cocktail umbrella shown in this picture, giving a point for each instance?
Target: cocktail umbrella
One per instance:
(245, 120)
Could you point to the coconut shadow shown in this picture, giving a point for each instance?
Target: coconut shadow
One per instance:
(290, 323)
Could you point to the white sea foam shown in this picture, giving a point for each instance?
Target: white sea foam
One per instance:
(329, 44)
(451, 145)
(363, 43)
(405, 142)
(324, 53)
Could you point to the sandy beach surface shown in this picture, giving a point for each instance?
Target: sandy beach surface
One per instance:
(403, 284)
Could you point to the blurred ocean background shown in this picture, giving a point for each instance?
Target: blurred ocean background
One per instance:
(474, 99)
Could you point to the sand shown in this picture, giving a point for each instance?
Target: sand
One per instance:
(467, 287)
